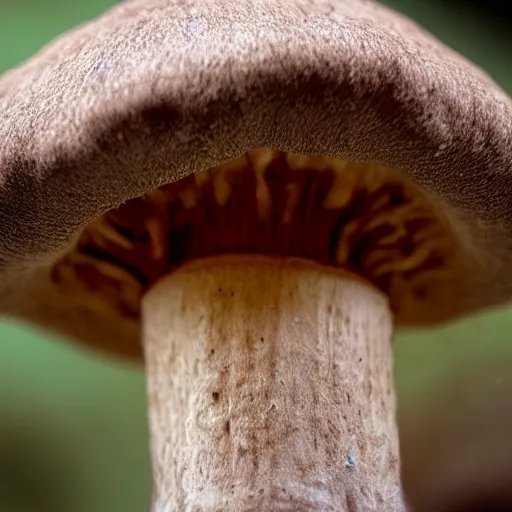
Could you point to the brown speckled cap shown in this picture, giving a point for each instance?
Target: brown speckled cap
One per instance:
(155, 90)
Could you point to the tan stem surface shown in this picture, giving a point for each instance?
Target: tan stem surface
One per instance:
(270, 389)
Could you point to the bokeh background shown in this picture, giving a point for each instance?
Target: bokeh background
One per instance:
(73, 433)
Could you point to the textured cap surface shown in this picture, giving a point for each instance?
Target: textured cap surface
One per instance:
(156, 89)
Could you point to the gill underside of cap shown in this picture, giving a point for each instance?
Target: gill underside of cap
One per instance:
(153, 91)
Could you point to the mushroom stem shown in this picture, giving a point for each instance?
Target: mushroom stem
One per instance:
(270, 388)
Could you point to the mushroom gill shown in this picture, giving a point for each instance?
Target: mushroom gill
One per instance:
(363, 217)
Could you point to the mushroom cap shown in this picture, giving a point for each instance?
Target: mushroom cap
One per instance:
(155, 90)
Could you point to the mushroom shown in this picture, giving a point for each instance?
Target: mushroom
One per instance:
(253, 195)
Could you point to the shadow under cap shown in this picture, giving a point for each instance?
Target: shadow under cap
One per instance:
(153, 91)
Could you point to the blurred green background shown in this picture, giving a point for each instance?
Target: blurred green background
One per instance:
(73, 434)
